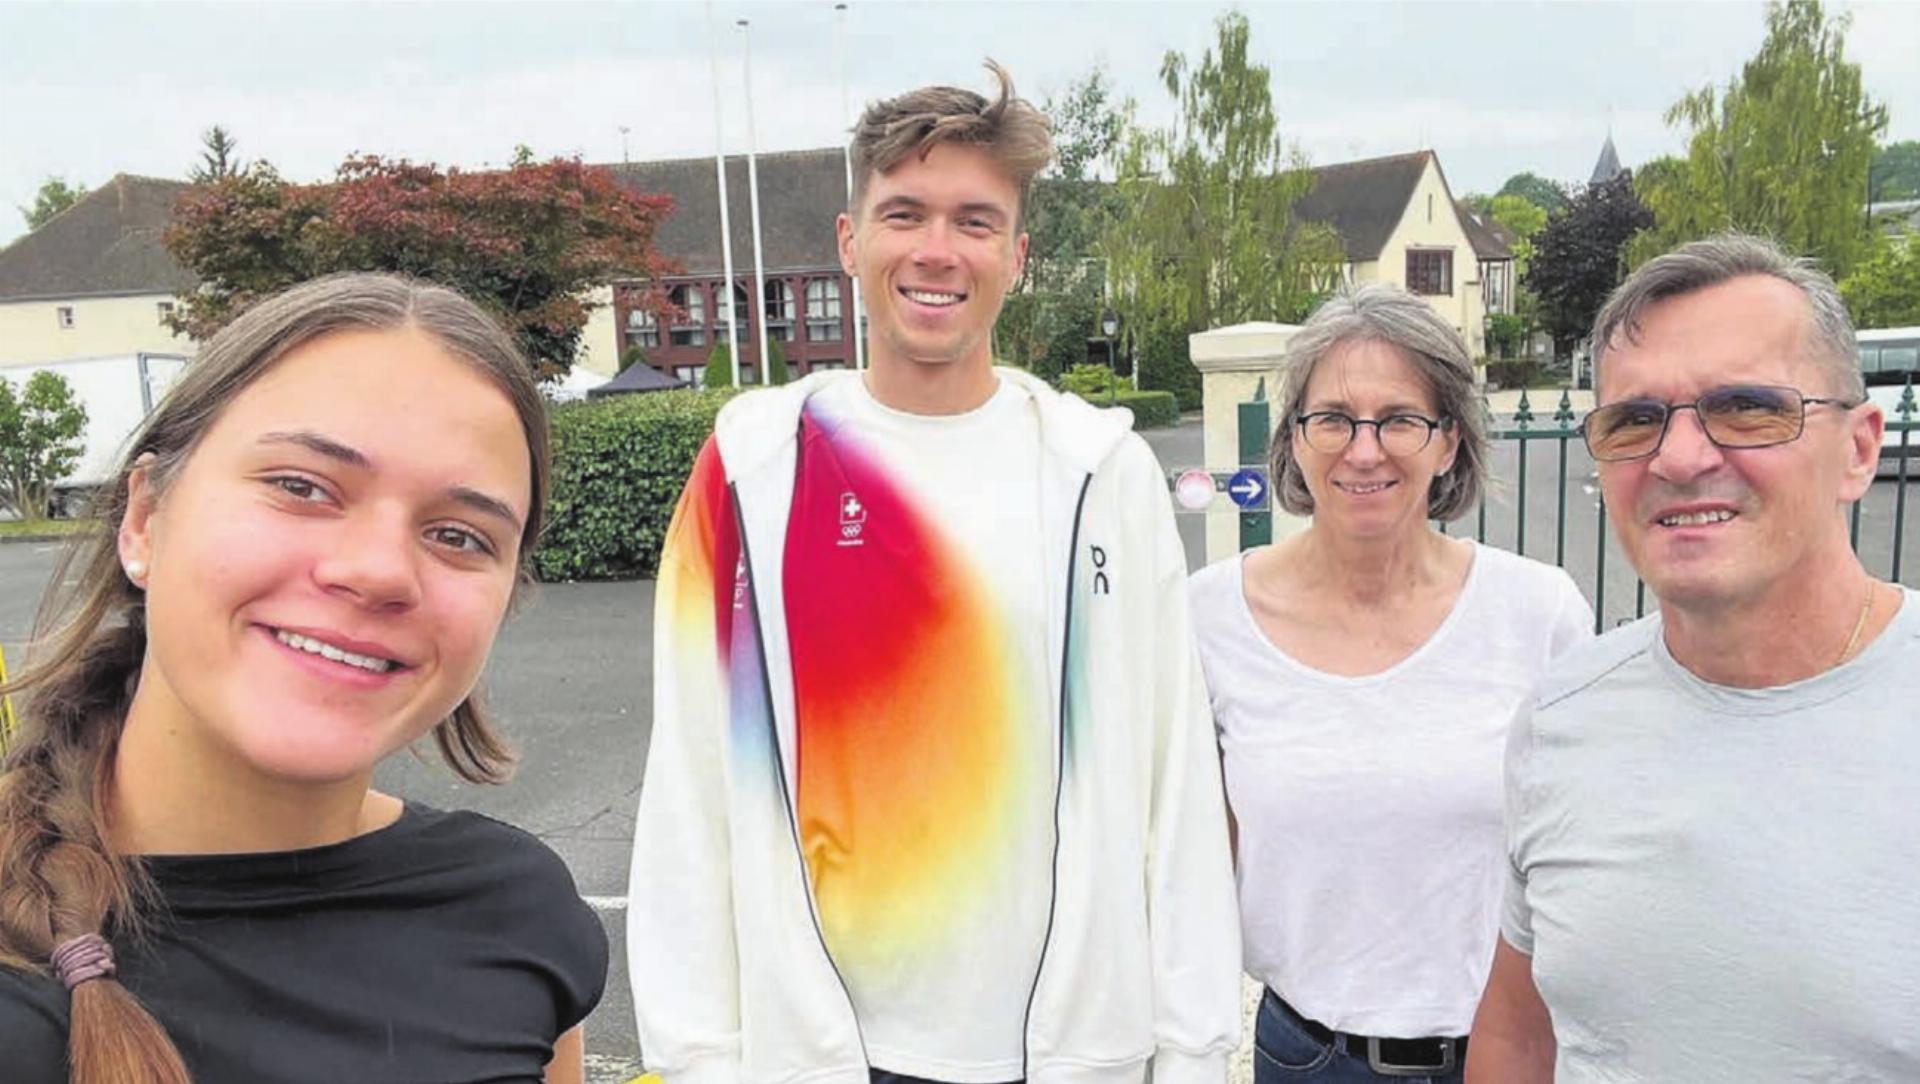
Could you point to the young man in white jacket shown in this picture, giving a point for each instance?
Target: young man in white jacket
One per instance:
(933, 793)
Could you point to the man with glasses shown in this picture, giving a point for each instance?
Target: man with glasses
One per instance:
(1712, 826)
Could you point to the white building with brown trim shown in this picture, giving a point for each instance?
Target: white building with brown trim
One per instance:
(94, 280)
(1401, 224)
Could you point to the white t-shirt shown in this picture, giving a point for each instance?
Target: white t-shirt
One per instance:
(1371, 856)
(924, 727)
(1722, 885)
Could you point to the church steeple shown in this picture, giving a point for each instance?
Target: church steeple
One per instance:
(1608, 167)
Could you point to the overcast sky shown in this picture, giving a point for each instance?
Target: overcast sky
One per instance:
(88, 90)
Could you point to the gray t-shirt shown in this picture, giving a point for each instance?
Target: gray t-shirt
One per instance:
(1721, 884)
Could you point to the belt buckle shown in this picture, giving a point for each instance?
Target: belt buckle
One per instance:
(1448, 1060)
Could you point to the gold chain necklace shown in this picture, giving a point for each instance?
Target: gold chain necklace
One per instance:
(1859, 625)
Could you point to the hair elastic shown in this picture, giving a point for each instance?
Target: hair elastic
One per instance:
(84, 958)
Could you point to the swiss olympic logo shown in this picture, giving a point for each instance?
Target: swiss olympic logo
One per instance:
(853, 519)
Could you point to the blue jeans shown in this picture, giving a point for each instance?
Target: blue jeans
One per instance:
(1284, 1053)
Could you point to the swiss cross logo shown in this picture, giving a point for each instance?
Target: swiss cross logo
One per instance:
(853, 519)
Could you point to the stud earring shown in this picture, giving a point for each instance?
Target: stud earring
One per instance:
(136, 571)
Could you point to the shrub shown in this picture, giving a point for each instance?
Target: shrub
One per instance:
(1513, 374)
(1506, 334)
(1151, 409)
(632, 356)
(719, 370)
(618, 467)
(1166, 366)
(1087, 381)
(776, 362)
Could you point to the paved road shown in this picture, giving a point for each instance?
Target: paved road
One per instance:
(570, 678)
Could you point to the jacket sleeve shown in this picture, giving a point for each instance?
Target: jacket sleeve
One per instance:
(681, 952)
(1194, 917)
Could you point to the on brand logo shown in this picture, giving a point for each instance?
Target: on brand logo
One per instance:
(1101, 585)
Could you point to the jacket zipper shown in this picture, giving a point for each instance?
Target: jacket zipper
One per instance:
(1059, 778)
(780, 773)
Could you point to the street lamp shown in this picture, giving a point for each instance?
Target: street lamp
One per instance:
(1110, 326)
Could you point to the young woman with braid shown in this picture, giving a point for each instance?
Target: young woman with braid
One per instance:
(305, 559)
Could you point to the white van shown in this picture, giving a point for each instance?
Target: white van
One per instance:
(118, 392)
(1889, 359)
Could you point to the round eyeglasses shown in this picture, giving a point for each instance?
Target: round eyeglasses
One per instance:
(1330, 431)
(1736, 416)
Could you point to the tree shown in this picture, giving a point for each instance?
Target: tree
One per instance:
(719, 370)
(40, 441)
(1522, 218)
(1782, 150)
(1067, 212)
(1884, 288)
(1895, 173)
(1549, 196)
(218, 159)
(1577, 258)
(55, 195)
(1204, 234)
(777, 372)
(527, 242)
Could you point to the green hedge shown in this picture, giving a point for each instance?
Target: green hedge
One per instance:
(618, 467)
(1513, 374)
(619, 464)
(1151, 409)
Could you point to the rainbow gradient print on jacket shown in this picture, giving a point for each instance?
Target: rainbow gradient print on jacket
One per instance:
(915, 757)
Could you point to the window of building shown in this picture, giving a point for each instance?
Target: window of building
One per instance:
(742, 315)
(165, 309)
(823, 311)
(689, 373)
(643, 328)
(691, 328)
(65, 313)
(1430, 271)
(779, 310)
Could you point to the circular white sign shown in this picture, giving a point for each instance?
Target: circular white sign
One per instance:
(1193, 489)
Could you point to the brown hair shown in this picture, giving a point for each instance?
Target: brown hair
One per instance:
(59, 878)
(1008, 128)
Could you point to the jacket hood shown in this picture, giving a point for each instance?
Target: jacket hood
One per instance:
(759, 423)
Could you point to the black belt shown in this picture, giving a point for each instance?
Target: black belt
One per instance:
(1388, 1057)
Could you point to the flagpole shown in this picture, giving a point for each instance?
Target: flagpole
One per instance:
(720, 175)
(846, 154)
(753, 192)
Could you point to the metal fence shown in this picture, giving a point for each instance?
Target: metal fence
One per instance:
(1543, 501)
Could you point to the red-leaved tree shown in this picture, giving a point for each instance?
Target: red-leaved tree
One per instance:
(527, 242)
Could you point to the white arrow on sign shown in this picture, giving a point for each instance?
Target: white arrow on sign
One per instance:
(1248, 488)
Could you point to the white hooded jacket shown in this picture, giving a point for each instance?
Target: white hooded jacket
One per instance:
(1140, 971)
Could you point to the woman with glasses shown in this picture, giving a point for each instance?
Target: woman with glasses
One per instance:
(1362, 673)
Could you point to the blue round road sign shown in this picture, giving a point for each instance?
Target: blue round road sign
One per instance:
(1248, 488)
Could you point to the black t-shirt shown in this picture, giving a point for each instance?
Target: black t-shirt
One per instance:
(446, 948)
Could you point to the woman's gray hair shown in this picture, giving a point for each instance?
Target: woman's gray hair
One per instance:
(1382, 312)
(1709, 262)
